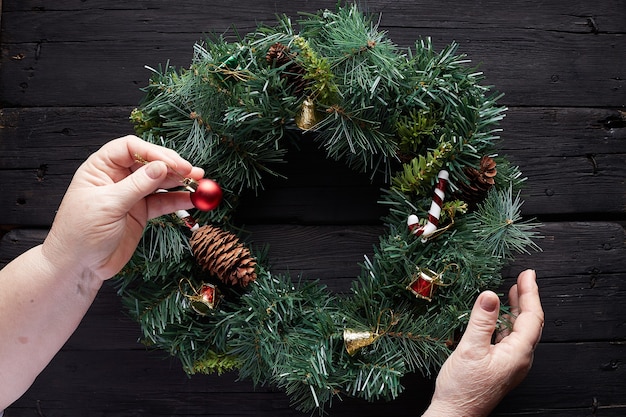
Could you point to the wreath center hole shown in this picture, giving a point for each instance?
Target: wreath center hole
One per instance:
(320, 221)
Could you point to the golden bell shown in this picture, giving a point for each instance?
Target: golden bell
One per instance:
(355, 340)
(308, 116)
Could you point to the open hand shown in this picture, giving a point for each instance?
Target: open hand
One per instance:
(479, 374)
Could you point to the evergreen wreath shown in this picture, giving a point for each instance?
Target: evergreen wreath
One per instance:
(418, 118)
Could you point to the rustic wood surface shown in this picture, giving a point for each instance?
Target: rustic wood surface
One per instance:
(71, 71)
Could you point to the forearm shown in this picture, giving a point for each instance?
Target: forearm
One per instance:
(41, 304)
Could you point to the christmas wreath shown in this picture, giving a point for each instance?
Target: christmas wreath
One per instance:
(418, 118)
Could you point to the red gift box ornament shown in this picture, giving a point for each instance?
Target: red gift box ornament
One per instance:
(424, 284)
(202, 301)
(205, 300)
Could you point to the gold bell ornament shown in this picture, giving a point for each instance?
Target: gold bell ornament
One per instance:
(355, 340)
(308, 116)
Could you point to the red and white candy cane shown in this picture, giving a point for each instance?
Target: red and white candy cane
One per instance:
(190, 222)
(435, 210)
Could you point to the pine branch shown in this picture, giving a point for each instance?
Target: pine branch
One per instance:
(417, 175)
(379, 380)
(501, 226)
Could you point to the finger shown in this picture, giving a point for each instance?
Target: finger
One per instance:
(175, 181)
(139, 184)
(125, 152)
(529, 322)
(508, 319)
(164, 203)
(482, 324)
(528, 291)
(514, 301)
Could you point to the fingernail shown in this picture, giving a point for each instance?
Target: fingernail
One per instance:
(488, 303)
(155, 169)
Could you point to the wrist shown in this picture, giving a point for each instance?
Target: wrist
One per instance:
(60, 263)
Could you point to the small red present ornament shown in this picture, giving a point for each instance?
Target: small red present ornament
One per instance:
(424, 284)
(203, 300)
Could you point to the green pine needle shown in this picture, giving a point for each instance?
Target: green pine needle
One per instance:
(501, 227)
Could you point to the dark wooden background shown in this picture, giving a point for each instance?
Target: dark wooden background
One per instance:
(71, 72)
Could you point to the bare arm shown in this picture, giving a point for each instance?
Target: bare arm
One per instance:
(45, 292)
(478, 374)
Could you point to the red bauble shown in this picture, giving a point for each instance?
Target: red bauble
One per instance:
(207, 196)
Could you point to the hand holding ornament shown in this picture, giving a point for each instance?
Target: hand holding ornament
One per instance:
(45, 292)
(109, 201)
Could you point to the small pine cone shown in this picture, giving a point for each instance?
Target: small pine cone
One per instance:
(220, 253)
(488, 170)
(279, 55)
(479, 182)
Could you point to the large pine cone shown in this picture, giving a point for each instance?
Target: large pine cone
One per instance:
(220, 253)
(279, 55)
(479, 182)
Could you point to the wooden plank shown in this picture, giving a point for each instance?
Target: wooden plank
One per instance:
(41, 147)
(570, 376)
(528, 132)
(31, 137)
(244, 9)
(79, 66)
(566, 366)
(18, 241)
(557, 65)
(43, 18)
(570, 72)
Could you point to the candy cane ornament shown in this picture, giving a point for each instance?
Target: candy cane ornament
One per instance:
(189, 221)
(435, 210)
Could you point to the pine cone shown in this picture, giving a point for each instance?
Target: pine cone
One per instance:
(220, 253)
(479, 182)
(279, 55)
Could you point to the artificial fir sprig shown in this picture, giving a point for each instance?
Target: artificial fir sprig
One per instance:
(501, 227)
(417, 175)
(404, 113)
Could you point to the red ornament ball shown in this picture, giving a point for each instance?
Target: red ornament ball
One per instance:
(207, 196)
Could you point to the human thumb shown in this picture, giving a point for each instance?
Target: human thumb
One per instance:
(482, 323)
(140, 183)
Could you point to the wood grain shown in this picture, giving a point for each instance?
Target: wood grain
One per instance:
(71, 72)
